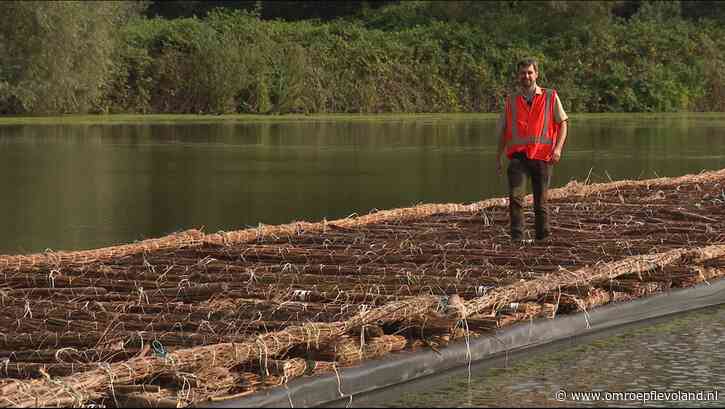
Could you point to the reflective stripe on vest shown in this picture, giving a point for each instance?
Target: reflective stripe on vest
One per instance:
(542, 139)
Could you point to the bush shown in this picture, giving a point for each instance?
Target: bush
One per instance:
(410, 57)
(57, 57)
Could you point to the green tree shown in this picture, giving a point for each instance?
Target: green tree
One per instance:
(55, 57)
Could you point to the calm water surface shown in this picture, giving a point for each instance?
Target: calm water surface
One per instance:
(86, 186)
(684, 353)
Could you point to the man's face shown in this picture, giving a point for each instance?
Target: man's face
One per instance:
(527, 76)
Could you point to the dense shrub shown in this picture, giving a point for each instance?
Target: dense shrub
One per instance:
(410, 57)
(56, 57)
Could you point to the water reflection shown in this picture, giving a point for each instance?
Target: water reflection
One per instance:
(86, 186)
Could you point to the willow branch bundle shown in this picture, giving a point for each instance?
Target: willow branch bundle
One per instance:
(52, 292)
(320, 367)
(160, 399)
(286, 369)
(70, 355)
(573, 189)
(348, 350)
(33, 262)
(636, 287)
(498, 298)
(593, 298)
(24, 370)
(516, 312)
(92, 384)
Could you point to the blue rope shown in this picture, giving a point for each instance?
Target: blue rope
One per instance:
(159, 349)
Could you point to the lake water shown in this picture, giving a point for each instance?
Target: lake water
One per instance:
(684, 353)
(70, 187)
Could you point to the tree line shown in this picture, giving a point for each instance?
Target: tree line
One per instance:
(359, 56)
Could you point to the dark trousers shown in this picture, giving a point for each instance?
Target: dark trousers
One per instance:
(540, 173)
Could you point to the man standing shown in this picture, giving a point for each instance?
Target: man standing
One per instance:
(533, 130)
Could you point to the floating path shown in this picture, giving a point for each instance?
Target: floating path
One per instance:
(196, 318)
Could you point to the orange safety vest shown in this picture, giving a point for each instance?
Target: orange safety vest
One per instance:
(533, 132)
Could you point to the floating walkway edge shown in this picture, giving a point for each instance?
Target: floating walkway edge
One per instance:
(400, 367)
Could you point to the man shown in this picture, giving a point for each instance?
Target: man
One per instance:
(532, 129)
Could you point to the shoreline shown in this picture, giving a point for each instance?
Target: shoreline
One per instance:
(101, 119)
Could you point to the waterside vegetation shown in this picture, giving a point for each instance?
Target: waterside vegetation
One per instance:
(408, 57)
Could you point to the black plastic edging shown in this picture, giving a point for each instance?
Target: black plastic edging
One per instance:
(405, 366)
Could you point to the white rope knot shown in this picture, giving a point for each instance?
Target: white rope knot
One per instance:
(51, 277)
(301, 295)
(142, 296)
(481, 290)
(512, 307)
(27, 312)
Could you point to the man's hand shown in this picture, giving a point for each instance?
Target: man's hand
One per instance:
(556, 155)
(499, 164)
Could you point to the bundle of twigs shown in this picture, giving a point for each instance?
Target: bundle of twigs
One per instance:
(348, 350)
(51, 259)
(92, 384)
(498, 298)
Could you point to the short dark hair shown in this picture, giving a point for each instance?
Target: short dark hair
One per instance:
(527, 62)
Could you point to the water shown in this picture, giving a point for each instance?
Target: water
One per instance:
(682, 353)
(70, 186)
